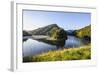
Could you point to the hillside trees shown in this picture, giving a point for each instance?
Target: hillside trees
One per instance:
(58, 34)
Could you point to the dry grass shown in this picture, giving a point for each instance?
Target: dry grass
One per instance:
(80, 53)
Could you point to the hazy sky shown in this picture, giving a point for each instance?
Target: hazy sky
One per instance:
(67, 20)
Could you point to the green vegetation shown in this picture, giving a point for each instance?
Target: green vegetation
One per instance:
(53, 31)
(57, 37)
(80, 53)
(58, 34)
(84, 32)
(44, 30)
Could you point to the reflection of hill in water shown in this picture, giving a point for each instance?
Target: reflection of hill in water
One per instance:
(58, 43)
(34, 47)
(71, 42)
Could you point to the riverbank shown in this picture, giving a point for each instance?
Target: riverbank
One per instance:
(81, 53)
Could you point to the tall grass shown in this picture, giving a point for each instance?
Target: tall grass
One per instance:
(80, 53)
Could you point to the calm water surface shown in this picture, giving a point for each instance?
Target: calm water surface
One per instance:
(33, 47)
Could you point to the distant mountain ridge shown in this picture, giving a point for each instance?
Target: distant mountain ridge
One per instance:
(71, 32)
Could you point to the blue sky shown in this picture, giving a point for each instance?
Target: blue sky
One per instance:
(66, 20)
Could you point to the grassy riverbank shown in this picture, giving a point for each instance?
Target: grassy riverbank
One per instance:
(80, 53)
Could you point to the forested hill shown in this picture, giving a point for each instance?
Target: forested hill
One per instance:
(84, 32)
(50, 29)
(44, 30)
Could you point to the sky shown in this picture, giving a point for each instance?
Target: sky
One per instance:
(66, 20)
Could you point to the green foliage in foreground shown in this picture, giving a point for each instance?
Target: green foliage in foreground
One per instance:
(81, 53)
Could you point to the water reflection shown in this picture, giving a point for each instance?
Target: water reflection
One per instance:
(34, 47)
(57, 43)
